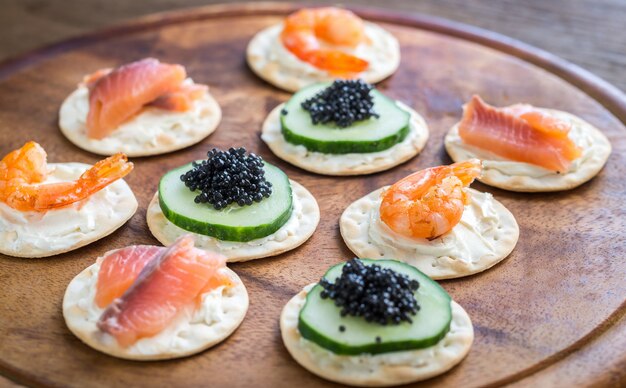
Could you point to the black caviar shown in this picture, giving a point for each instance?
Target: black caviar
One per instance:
(343, 102)
(377, 294)
(227, 177)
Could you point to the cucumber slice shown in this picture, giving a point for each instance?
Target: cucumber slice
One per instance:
(320, 319)
(233, 223)
(375, 134)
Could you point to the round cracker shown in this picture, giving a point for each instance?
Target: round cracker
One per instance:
(377, 370)
(596, 150)
(261, 54)
(502, 236)
(37, 234)
(300, 226)
(154, 131)
(345, 164)
(184, 337)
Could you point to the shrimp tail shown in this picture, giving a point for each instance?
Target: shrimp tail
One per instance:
(102, 174)
(467, 170)
(105, 172)
(335, 62)
(42, 197)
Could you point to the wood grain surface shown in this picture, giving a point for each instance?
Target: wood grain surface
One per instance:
(585, 32)
(550, 314)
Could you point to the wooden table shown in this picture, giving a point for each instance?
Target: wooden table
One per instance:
(586, 32)
(610, 371)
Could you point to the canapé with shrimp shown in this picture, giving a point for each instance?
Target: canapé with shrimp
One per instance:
(433, 221)
(321, 44)
(46, 209)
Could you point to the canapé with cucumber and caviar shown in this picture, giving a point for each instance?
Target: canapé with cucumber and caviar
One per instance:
(343, 117)
(344, 128)
(232, 195)
(376, 323)
(373, 307)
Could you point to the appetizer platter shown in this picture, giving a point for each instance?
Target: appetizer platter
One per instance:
(260, 241)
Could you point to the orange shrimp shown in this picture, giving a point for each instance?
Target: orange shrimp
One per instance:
(430, 202)
(308, 32)
(22, 172)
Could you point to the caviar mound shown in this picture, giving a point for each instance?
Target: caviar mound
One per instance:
(364, 136)
(321, 320)
(227, 177)
(234, 222)
(377, 294)
(344, 102)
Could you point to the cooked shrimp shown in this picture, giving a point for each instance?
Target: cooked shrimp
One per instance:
(308, 33)
(430, 202)
(23, 171)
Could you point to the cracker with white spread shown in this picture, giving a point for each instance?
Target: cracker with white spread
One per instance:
(151, 132)
(39, 234)
(300, 226)
(380, 370)
(345, 164)
(486, 234)
(270, 60)
(525, 177)
(195, 329)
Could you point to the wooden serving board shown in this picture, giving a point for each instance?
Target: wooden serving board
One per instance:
(552, 313)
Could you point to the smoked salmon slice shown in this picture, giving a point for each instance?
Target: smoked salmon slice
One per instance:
(91, 79)
(181, 99)
(118, 95)
(540, 121)
(520, 132)
(168, 282)
(120, 269)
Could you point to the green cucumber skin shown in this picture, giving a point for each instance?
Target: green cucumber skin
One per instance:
(343, 146)
(385, 347)
(226, 232)
(310, 333)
